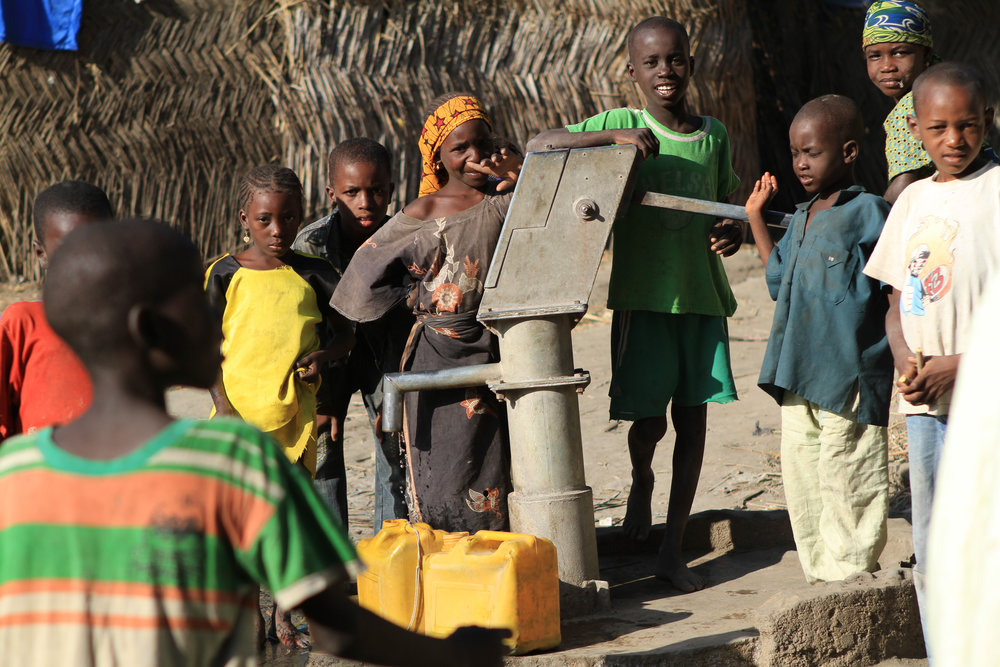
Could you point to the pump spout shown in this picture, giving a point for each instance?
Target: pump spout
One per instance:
(396, 384)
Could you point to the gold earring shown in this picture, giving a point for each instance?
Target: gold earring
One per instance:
(246, 236)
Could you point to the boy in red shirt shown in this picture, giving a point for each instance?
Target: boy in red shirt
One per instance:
(41, 381)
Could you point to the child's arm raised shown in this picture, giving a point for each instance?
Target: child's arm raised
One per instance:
(643, 138)
(340, 344)
(763, 192)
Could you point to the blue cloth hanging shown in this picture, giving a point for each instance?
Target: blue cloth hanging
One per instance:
(41, 24)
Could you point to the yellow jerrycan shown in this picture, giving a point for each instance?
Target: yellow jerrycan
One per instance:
(390, 585)
(495, 580)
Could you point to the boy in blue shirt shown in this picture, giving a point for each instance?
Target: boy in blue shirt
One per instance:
(828, 362)
(669, 291)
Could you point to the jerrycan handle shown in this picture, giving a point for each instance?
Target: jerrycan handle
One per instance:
(417, 583)
(493, 541)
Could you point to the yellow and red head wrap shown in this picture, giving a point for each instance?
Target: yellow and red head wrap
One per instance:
(437, 127)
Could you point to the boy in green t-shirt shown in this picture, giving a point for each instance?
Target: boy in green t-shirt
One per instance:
(162, 529)
(668, 288)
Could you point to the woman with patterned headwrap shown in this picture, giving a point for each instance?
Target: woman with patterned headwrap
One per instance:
(898, 46)
(436, 253)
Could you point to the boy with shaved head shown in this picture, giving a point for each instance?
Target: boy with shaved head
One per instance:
(163, 529)
(827, 362)
(41, 380)
(940, 247)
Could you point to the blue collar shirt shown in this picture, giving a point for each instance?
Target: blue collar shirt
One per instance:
(828, 335)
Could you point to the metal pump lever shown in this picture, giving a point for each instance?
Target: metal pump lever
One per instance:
(714, 208)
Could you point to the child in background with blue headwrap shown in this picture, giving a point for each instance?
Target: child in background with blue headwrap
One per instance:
(898, 46)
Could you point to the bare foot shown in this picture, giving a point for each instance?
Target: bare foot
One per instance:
(676, 573)
(286, 632)
(638, 511)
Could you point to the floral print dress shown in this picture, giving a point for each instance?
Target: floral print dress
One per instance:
(458, 455)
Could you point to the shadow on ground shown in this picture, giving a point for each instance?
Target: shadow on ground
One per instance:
(726, 649)
(722, 545)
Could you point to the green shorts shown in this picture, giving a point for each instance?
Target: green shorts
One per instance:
(659, 357)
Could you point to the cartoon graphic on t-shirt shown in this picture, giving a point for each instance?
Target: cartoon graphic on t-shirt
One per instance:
(930, 269)
(912, 299)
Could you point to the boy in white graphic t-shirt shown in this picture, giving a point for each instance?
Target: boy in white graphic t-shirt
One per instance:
(939, 247)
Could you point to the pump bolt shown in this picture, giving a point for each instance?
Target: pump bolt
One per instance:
(586, 208)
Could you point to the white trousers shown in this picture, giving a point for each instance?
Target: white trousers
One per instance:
(835, 474)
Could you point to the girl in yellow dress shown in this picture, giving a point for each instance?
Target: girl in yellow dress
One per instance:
(277, 325)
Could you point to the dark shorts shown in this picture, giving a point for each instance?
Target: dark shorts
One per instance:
(659, 357)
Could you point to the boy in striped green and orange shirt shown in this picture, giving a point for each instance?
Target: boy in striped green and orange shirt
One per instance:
(129, 538)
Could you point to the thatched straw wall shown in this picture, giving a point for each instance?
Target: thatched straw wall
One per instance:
(168, 102)
(163, 105)
(534, 66)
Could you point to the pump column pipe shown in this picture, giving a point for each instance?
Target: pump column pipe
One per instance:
(551, 498)
(537, 287)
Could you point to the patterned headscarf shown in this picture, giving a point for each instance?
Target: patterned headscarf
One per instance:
(437, 127)
(896, 21)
